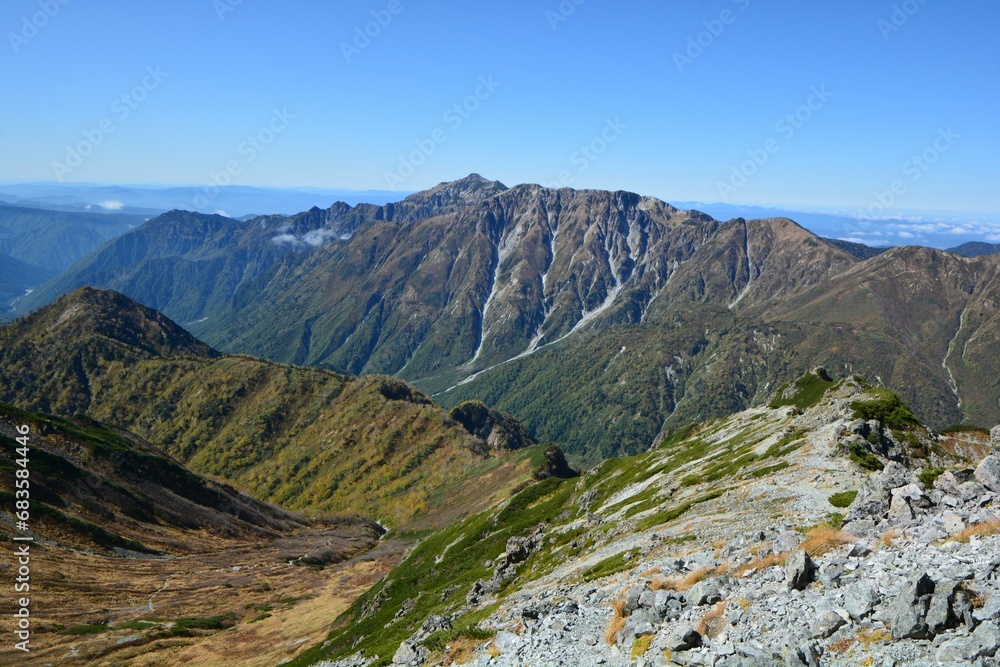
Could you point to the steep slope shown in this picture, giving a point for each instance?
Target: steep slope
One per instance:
(304, 438)
(728, 545)
(201, 559)
(54, 240)
(917, 319)
(16, 278)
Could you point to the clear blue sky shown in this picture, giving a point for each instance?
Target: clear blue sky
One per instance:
(685, 130)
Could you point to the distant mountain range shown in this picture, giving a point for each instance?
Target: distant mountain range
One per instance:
(236, 200)
(602, 320)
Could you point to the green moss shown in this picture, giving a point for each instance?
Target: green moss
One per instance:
(670, 515)
(843, 499)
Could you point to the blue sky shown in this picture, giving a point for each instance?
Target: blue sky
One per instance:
(201, 77)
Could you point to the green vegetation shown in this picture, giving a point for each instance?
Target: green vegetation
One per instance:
(808, 390)
(87, 629)
(609, 566)
(864, 458)
(963, 428)
(885, 406)
(929, 475)
(843, 499)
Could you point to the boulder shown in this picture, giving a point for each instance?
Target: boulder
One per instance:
(683, 638)
(995, 440)
(799, 570)
(409, 655)
(987, 638)
(704, 592)
(860, 599)
(939, 612)
(988, 473)
(908, 612)
(827, 624)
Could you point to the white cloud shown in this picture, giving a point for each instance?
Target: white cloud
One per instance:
(222, 213)
(313, 238)
(907, 235)
(111, 205)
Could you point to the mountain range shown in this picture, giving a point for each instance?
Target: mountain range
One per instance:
(602, 320)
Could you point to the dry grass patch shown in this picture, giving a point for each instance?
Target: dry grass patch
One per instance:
(823, 539)
(984, 529)
(681, 584)
(651, 571)
(713, 623)
(758, 564)
(869, 637)
(617, 623)
(888, 538)
(462, 651)
(842, 645)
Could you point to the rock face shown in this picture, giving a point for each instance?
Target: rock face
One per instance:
(995, 440)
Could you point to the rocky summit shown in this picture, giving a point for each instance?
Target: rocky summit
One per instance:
(829, 528)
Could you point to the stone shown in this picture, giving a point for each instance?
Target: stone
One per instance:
(799, 570)
(995, 440)
(900, 510)
(988, 473)
(952, 522)
(643, 628)
(506, 642)
(908, 612)
(683, 638)
(589, 640)
(939, 612)
(409, 655)
(827, 624)
(860, 599)
(704, 592)
(987, 638)
(647, 598)
(661, 600)
(632, 599)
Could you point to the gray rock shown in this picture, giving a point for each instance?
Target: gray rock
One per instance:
(704, 592)
(799, 570)
(939, 612)
(647, 598)
(900, 510)
(988, 473)
(632, 599)
(860, 599)
(990, 610)
(987, 638)
(683, 638)
(827, 624)
(643, 628)
(958, 651)
(908, 612)
(409, 655)
(995, 440)
(507, 642)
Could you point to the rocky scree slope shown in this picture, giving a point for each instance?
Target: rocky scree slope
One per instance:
(827, 528)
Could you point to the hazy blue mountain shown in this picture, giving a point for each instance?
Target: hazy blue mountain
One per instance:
(234, 201)
(976, 249)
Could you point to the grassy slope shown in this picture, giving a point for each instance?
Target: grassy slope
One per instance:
(306, 438)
